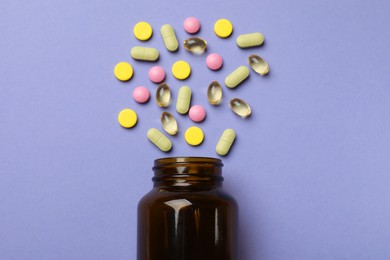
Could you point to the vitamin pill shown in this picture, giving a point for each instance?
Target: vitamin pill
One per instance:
(141, 94)
(163, 95)
(144, 53)
(197, 113)
(183, 100)
(191, 25)
(214, 61)
(159, 139)
(143, 31)
(169, 123)
(214, 93)
(195, 45)
(223, 28)
(240, 107)
(225, 142)
(258, 64)
(250, 40)
(169, 37)
(194, 136)
(123, 71)
(127, 118)
(236, 77)
(156, 74)
(181, 70)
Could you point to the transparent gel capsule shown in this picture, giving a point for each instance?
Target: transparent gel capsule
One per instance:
(163, 95)
(258, 64)
(195, 45)
(214, 93)
(240, 107)
(169, 123)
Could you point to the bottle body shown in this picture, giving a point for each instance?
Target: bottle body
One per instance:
(187, 215)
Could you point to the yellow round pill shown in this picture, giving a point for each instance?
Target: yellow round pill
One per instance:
(123, 71)
(181, 70)
(194, 135)
(127, 118)
(143, 31)
(223, 28)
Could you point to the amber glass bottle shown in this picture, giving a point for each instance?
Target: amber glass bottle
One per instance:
(187, 215)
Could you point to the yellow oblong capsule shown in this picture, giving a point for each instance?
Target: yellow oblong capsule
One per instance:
(169, 37)
(159, 139)
(236, 77)
(250, 40)
(183, 100)
(225, 142)
(144, 53)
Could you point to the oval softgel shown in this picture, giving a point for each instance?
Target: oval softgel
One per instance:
(236, 77)
(183, 100)
(159, 139)
(225, 142)
(169, 38)
(144, 53)
(250, 40)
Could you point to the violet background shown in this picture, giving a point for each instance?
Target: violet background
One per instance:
(310, 168)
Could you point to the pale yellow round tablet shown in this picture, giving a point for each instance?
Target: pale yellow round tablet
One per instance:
(127, 118)
(181, 70)
(123, 71)
(194, 136)
(223, 28)
(143, 31)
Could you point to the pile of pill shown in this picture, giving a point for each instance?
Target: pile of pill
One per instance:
(181, 70)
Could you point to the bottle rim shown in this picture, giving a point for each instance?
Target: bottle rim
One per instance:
(166, 161)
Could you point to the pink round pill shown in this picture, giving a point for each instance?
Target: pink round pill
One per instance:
(191, 25)
(141, 94)
(197, 113)
(214, 61)
(156, 74)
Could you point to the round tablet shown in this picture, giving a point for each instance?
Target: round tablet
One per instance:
(156, 74)
(191, 25)
(214, 61)
(223, 28)
(197, 113)
(143, 31)
(194, 135)
(181, 70)
(141, 94)
(127, 118)
(123, 71)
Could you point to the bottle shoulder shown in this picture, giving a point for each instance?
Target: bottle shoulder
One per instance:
(217, 197)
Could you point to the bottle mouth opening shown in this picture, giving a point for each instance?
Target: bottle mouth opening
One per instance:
(170, 161)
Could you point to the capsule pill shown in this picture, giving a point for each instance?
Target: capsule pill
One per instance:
(183, 100)
(144, 53)
(159, 139)
(225, 142)
(169, 37)
(250, 40)
(236, 77)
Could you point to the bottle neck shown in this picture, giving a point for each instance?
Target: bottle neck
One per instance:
(187, 173)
